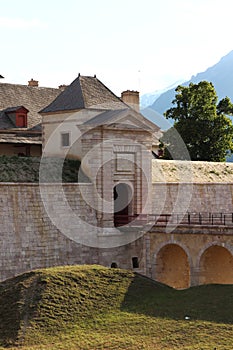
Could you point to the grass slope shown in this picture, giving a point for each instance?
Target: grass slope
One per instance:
(27, 169)
(92, 307)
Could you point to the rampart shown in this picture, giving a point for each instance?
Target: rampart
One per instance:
(29, 239)
(192, 197)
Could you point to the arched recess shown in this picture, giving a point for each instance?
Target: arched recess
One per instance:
(172, 267)
(216, 266)
(123, 204)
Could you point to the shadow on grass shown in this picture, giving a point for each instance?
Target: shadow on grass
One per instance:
(212, 303)
(18, 301)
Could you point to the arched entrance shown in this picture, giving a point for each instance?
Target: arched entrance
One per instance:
(216, 266)
(122, 194)
(172, 267)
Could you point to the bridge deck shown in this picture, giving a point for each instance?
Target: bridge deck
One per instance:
(192, 219)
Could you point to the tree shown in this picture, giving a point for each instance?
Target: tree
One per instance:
(203, 125)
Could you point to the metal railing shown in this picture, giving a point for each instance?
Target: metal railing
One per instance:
(189, 218)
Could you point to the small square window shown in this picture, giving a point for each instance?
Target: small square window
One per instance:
(65, 139)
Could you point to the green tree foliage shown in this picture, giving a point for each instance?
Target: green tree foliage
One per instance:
(202, 123)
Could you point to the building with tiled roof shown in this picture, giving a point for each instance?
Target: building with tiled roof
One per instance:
(85, 92)
(110, 137)
(20, 122)
(87, 104)
(168, 220)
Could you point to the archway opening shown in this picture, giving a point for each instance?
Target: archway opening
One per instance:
(122, 194)
(216, 266)
(172, 267)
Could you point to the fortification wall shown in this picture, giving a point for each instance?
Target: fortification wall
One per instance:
(196, 197)
(30, 239)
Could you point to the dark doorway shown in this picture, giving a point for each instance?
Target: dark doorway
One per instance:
(122, 204)
(135, 262)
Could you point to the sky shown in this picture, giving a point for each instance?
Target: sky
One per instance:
(143, 45)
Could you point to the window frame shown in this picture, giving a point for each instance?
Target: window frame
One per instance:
(19, 118)
(61, 139)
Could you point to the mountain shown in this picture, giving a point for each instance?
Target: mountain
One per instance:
(220, 74)
(149, 98)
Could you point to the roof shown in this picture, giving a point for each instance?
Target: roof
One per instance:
(25, 139)
(32, 98)
(85, 92)
(15, 109)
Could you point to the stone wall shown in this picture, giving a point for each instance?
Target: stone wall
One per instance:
(197, 197)
(28, 238)
(31, 238)
(36, 233)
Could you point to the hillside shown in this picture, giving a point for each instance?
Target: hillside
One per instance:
(220, 74)
(93, 307)
(27, 169)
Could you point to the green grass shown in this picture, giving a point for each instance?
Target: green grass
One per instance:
(92, 307)
(27, 169)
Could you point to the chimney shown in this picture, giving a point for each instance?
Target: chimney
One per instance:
(131, 98)
(62, 87)
(33, 82)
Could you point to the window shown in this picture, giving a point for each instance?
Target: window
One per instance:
(21, 121)
(135, 262)
(114, 265)
(18, 116)
(65, 139)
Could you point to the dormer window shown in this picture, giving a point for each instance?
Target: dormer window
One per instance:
(18, 116)
(21, 121)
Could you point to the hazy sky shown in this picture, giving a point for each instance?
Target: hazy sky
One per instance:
(129, 44)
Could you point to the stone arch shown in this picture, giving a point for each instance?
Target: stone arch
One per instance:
(216, 264)
(172, 265)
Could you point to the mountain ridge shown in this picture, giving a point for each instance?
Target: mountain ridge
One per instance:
(220, 74)
(149, 98)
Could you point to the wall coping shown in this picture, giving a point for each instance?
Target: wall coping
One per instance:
(45, 184)
(193, 183)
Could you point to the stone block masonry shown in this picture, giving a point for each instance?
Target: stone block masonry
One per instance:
(29, 239)
(192, 197)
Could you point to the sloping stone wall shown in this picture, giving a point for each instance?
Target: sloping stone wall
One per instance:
(28, 238)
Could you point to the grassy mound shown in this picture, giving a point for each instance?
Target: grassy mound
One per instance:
(27, 169)
(92, 307)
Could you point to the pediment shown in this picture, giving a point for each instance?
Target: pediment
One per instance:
(131, 120)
